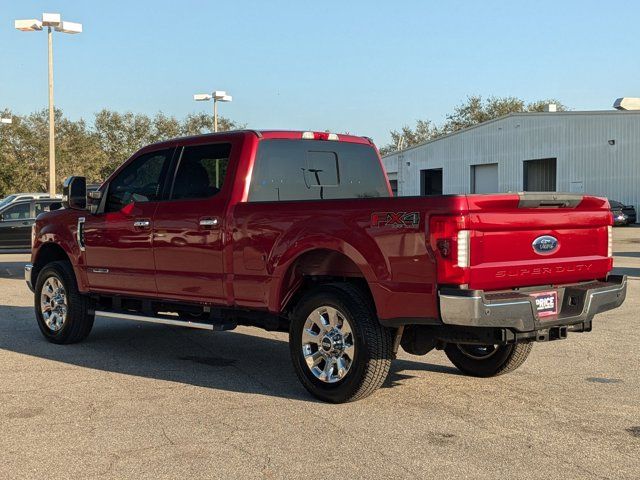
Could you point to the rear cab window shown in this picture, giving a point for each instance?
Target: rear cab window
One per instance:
(315, 170)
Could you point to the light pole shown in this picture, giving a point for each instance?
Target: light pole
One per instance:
(217, 96)
(53, 22)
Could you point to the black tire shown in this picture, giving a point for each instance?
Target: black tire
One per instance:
(373, 344)
(79, 319)
(504, 359)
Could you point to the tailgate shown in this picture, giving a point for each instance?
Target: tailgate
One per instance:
(532, 239)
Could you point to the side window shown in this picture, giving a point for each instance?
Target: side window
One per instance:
(17, 212)
(42, 207)
(140, 181)
(201, 171)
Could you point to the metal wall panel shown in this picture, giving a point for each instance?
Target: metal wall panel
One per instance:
(580, 141)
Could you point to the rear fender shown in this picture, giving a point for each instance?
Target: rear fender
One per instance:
(282, 291)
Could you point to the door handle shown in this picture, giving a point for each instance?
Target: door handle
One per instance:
(142, 223)
(209, 222)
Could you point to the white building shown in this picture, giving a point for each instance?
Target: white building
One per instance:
(584, 152)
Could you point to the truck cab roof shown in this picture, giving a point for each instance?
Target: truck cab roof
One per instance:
(263, 134)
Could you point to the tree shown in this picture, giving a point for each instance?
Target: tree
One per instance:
(91, 150)
(424, 131)
(122, 134)
(540, 105)
(199, 123)
(472, 112)
(476, 110)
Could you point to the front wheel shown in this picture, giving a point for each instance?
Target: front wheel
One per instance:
(339, 350)
(487, 360)
(64, 315)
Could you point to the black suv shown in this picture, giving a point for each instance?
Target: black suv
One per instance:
(16, 220)
(622, 214)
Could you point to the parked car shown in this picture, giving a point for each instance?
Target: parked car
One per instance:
(298, 232)
(16, 219)
(23, 196)
(622, 214)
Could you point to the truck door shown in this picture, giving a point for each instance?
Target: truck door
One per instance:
(189, 227)
(118, 239)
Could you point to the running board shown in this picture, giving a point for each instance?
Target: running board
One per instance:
(164, 321)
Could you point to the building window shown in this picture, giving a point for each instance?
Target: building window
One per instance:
(394, 187)
(431, 181)
(539, 175)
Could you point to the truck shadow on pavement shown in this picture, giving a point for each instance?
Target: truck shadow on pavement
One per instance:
(629, 271)
(627, 254)
(237, 361)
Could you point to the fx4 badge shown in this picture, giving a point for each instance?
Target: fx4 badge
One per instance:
(395, 219)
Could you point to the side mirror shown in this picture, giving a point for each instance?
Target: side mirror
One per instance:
(74, 193)
(1, 217)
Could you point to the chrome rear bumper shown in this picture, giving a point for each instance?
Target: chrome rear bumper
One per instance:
(577, 303)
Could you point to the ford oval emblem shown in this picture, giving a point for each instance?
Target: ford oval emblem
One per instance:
(545, 245)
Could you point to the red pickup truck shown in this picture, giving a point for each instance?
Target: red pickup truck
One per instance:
(297, 232)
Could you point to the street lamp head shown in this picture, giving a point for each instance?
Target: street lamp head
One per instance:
(31, 25)
(6, 120)
(202, 97)
(218, 94)
(69, 27)
(48, 20)
(225, 98)
(51, 19)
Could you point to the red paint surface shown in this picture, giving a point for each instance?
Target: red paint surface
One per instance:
(247, 260)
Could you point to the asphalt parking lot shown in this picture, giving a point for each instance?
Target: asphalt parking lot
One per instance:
(151, 401)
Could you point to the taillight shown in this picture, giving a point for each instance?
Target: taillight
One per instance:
(610, 241)
(463, 248)
(451, 242)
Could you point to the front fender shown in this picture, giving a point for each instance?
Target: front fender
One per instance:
(60, 228)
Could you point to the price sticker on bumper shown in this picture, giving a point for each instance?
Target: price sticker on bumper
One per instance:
(546, 303)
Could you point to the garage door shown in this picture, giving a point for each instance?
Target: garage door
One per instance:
(539, 175)
(484, 178)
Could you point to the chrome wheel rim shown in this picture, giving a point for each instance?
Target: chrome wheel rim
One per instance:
(328, 344)
(53, 304)
(478, 352)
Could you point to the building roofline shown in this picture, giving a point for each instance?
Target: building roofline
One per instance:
(516, 114)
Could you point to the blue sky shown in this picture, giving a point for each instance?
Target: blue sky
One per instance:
(360, 66)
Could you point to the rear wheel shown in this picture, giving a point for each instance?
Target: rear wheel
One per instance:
(64, 315)
(339, 350)
(487, 360)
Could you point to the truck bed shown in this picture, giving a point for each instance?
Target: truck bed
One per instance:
(391, 242)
